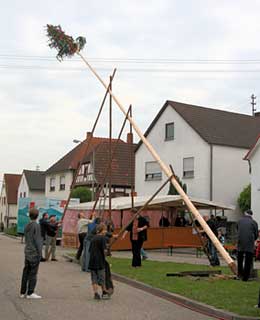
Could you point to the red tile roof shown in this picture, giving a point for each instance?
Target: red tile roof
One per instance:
(252, 149)
(11, 186)
(71, 160)
(121, 174)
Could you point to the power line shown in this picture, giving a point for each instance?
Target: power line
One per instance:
(124, 69)
(136, 60)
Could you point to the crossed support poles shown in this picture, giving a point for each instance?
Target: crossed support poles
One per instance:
(167, 171)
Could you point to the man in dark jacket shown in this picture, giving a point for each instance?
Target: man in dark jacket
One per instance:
(44, 225)
(138, 234)
(247, 234)
(33, 253)
(51, 234)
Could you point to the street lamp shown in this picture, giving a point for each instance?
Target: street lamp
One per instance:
(77, 141)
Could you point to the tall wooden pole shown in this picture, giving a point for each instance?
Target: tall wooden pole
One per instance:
(168, 173)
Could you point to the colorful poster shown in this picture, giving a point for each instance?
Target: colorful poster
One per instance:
(51, 206)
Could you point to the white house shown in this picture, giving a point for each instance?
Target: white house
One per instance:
(32, 185)
(8, 199)
(253, 157)
(205, 147)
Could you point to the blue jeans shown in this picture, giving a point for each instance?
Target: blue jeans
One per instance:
(143, 253)
(213, 253)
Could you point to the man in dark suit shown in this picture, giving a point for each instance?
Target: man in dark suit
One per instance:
(247, 234)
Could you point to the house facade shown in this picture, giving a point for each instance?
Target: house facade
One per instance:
(8, 199)
(95, 170)
(253, 157)
(205, 148)
(32, 185)
(59, 177)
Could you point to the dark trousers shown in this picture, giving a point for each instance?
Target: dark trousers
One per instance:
(136, 250)
(81, 242)
(214, 261)
(29, 277)
(244, 264)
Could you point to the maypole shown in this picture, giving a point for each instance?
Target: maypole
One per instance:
(67, 47)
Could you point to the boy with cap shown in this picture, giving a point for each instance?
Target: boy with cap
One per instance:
(33, 254)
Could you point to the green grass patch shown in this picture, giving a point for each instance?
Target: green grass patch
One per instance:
(231, 295)
(12, 231)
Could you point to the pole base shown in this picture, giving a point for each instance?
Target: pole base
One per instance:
(233, 267)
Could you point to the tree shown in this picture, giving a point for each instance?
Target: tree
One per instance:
(244, 200)
(82, 193)
(172, 189)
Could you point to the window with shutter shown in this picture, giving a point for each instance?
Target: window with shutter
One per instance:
(152, 171)
(62, 183)
(188, 167)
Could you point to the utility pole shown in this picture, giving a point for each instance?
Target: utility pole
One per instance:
(253, 103)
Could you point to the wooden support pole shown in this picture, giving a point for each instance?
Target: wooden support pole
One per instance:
(112, 157)
(139, 211)
(230, 262)
(86, 149)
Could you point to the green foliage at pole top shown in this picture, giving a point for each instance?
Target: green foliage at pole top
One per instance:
(82, 193)
(244, 200)
(173, 191)
(64, 44)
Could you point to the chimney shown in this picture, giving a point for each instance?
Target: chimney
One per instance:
(88, 135)
(129, 138)
(257, 114)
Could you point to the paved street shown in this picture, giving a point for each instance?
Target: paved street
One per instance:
(67, 294)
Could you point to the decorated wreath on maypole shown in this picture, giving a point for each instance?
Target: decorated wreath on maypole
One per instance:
(64, 44)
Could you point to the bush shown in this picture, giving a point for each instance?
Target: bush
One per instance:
(173, 191)
(12, 231)
(82, 193)
(244, 200)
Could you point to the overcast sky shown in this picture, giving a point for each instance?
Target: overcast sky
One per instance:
(45, 104)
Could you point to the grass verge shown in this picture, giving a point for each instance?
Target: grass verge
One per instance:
(230, 295)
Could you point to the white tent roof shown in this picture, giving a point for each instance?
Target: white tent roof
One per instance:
(124, 203)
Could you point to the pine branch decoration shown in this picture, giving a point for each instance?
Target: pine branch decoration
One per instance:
(64, 44)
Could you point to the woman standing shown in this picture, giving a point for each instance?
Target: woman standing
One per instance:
(138, 234)
(82, 232)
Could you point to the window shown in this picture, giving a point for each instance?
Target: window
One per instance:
(21, 194)
(62, 183)
(169, 131)
(52, 184)
(152, 171)
(188, 167)
(24, 194)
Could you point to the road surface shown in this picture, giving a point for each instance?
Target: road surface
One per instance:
(67, 294)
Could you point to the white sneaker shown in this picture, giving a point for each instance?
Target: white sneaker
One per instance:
(33, 296)
(22, 296)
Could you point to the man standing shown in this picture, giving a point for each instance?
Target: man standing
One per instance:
(247, 234)
(212, 250)
(33, 253)
(51, 233)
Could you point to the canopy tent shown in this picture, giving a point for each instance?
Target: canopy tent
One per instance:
(167, 201)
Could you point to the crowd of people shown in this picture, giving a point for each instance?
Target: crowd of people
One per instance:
(94, 237)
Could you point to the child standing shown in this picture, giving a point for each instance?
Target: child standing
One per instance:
(97, 262)
(33, 254)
